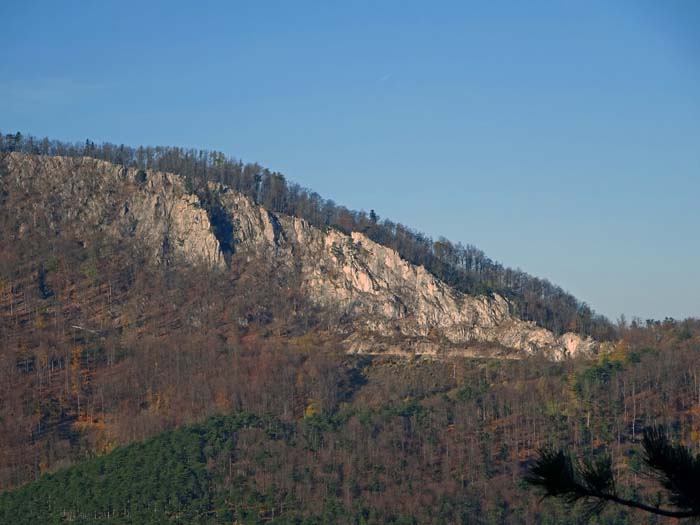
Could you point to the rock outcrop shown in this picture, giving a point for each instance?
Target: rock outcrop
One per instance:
(391, 305)
(88, 195)
(384, 294)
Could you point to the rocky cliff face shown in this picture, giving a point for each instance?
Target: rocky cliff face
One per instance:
(383, 294)
(387, 304)
(88, 195)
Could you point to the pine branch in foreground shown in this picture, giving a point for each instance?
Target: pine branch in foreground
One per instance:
(589, 481)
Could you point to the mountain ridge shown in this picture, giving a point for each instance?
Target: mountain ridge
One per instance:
(369, 285)
(464, 267)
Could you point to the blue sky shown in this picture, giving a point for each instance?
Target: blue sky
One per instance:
(559, 137)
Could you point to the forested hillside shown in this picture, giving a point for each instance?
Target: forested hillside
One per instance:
(466, 268)
(383, 440)
(137, 386)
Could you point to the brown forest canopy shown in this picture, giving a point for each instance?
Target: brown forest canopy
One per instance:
(464, 267)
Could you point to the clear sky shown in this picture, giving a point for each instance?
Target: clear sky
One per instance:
(559, 137)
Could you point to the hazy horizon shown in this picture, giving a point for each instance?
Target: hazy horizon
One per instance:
(560, 139)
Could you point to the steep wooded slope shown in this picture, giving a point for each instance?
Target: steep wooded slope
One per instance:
(425, 441)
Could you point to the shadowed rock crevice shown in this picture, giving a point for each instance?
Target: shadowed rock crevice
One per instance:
(222, 227)
(221, 223)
